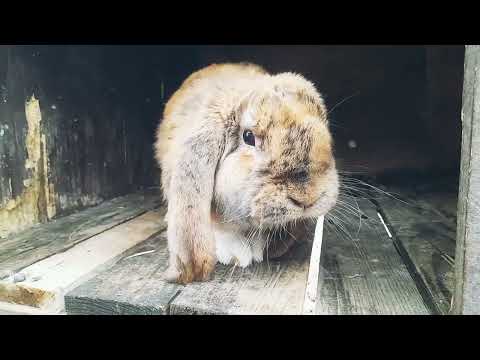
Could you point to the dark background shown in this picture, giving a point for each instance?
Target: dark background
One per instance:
(402, 107)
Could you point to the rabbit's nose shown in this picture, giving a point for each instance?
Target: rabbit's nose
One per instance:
(301, 204)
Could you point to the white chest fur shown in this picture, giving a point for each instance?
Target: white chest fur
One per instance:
(235, 248)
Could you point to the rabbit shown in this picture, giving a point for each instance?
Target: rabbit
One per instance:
(246, 161)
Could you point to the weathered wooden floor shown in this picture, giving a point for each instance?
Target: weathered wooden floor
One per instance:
(51, 259)
(362, 272)
(402, 267)
(41, 241)
(425, 232)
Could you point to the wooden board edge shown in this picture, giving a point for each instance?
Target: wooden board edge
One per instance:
(310, 300)
(15, 309)
(51, 298)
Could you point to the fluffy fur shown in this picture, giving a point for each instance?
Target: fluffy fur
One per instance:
(229, 201)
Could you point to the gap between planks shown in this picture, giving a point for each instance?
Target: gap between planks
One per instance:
(49, 279)
(134, 285)
(268, 288)
(41, 241)
(425, 233)
(362, 272)
(373, 276)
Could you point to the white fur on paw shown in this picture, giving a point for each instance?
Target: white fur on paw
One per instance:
(170, 274)
(233, 248)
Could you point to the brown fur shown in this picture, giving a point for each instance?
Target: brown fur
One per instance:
(202, 124)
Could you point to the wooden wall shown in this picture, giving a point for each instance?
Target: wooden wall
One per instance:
(467, 256)
(72, 130)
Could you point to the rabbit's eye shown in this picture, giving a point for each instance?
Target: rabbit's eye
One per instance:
(249, 138)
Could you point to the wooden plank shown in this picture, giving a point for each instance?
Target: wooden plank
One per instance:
(48, 280)
(444, 204)
(14, 309)
(372, 268)
(439, 207)
(428, 236)
(467, 264)
(310, 302)
(23, 249)
(362, 272)
(273, 287)
(133, 286)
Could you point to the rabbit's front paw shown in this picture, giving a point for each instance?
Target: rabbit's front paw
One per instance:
(185, 271)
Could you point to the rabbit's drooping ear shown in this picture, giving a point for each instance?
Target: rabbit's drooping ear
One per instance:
(190, 234)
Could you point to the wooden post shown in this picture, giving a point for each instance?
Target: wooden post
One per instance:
(467, 261)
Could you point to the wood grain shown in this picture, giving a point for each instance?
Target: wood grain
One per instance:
(362, 272)
(133, 286)
(14, 309)
(89, 148)
(467, 264)
(428, 235)
(363, 275)
(276, 287)
(48, 280)
(39, 242)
